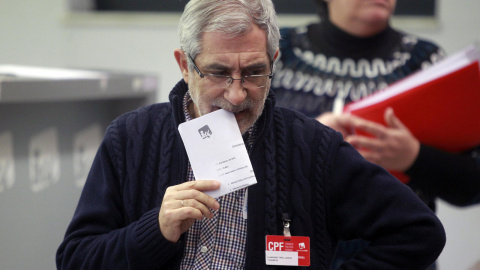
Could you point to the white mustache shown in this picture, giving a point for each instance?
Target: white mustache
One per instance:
(247, 104)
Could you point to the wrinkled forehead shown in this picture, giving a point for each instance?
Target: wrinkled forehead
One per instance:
(253, 42)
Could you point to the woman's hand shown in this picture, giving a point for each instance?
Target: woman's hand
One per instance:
(392, 146)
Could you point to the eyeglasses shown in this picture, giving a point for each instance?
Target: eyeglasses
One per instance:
(249, 81)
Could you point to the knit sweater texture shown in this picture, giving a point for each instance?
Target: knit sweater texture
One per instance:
(302, 168)
(321, 65)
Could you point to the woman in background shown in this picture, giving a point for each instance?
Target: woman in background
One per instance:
(352, 53)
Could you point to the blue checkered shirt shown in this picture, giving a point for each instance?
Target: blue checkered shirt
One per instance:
(218, 243)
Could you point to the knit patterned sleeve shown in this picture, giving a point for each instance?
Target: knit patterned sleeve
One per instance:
(453, 177)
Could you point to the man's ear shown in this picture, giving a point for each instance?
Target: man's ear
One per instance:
(181, 58)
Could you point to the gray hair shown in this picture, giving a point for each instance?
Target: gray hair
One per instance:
(232, 17)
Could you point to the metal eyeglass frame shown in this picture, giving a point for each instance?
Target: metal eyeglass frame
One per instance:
(230, 79)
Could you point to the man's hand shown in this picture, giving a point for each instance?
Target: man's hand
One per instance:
(185, 203)
(392, 147)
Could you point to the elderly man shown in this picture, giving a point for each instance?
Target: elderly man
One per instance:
(141, 207)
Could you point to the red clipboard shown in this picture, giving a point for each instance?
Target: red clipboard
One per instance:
(440, 105)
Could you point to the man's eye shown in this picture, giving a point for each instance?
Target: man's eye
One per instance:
(254, 72)
(220, 73)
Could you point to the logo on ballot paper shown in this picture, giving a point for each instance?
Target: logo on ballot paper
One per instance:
(205, 132)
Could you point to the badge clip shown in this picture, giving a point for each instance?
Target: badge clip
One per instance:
(286, 225)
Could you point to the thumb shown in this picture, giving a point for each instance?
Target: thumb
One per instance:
(392, 120)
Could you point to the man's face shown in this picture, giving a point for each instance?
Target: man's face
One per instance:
(236, 57)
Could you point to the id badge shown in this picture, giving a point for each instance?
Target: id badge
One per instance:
(287, 251)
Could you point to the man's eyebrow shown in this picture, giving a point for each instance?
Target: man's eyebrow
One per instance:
(216, 66)
(219, 66)
(255, 66)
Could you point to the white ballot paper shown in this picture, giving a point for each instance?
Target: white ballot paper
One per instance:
(216, 151)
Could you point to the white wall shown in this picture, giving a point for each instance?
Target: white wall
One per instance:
(42, 33)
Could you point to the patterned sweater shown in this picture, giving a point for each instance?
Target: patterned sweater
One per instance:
(321, 68)
(302, 168)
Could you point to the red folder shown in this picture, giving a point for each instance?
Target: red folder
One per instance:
(440, 105)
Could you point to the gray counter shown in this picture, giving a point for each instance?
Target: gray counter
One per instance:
(50, 129)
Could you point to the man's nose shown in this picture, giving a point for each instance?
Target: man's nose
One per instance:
(235, 92)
